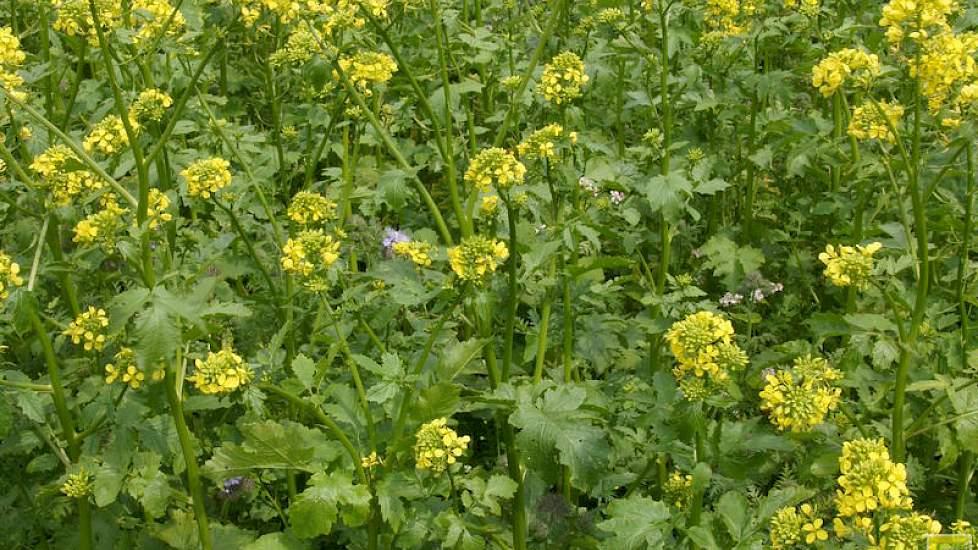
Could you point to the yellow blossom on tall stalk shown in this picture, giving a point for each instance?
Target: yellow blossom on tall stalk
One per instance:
(489, 205)
(905, 532)
(78, 485)
(945, 60)
(418, 252)
(88, 329)
(207, 176)
(869, 480)
(152, 16)
(805, 7)
(108, 137)
(563, 78)
(102, 226)
(848, 265)
(497, 167)
(151, 105)
(835, 70)
(60, 171)
(728, 18)
(437, 447)
(11, 58)
(124, 368)
(366, 69)
(309, 208)
(540, 144)
(799, 398)
(789, 529)
(156, 211)
(868, 123)
(221, 372)
(678, 490)
(703, 346)
(308, 252)
(476, 257)
(300, 47)
(75, 18)
(915, 18)
(9, 275)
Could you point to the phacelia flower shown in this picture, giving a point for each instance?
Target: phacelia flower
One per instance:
(495, 167)
(78, 485)
(391, 237)
(9, 275)
(901, 532)
(731, 299)
(222, 372)
(309, 208)
(703, 346)
(150, 105)
(477, 257)
(799, 398)
(868, 123)
(437, 446)
(563, 78)
(849, 266)
(235, 487)
(207, 176)
(88, 329)
(310, 252)
(616, 197)
(541, 144)
(839, 67)
(366, 69)
(678, 490)
(418, 252)
(869, 480)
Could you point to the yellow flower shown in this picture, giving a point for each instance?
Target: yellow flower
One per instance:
(915, 18)
(490, 203)
(9, 275)
(156, 212)
(868, 123)
(563, 78)
(60, 171)
(310, 252)
(907, 532)
(205, 177)
(222, 372)
(308, 207)
(703, 346)
(786, 528)
(78, 485)
(102, 226)
(437, 447)
(809, 8)
(150, 105)
(869, 480)
(833, 71)
(152, 16)
(798, 399)
(368, 68)
(87, 329)
(678, 489)
(946, 59)
(540, 144)
(849, 266)
(495, 166)
(477, 257)
(370, 461)
(75, 19)
(418, 252)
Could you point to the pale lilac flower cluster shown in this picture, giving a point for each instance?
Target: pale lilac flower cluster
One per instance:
(730, 299)
(588, 185)
(236, 487)
(617, 197)
(391, 237)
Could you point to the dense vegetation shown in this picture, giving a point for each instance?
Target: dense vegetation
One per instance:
(295, 274)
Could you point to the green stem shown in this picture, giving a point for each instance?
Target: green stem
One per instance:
(965, 471)
(513, 295)
(354, 372)
(542, 336)
(249, 245)
(837, 119)
(964, 254)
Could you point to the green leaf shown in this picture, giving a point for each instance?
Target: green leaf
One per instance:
(635, 522)
(729, 261)
(393, 190)
(667, 193)
(733, 507)
(391, 490)
(965, 403)
(278, 541)
(6, 416)
(272, 446)
(305, 370)
(149, 485)
(871, 322)
(703, 537)
(157, 334)
(483, 496)
(314, 511)
(456, 356)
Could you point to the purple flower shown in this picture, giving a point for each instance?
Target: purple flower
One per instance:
(236, 487)
(730, 299)
(588, 185)
(617, 197)
(767, 372)
(391, 237)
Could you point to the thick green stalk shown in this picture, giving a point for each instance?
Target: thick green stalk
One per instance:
(837, 118)
(248, 244)
(513, 294)
(966, 470)
(965, 253)
(189, 457)
(542, 336)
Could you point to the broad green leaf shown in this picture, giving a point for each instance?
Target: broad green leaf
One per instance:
(305, 370)
(668, 193)
(315, 510)
(729, 261)
(278, 541)
(456, 356)
(635, 523)
(157, 334)
(272, 446)
(733, 508)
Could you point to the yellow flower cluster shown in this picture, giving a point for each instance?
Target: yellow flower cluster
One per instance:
(833, 71)
(849, 266)
(150, 105)
(437, 446)
(914, 18)
(298, 49)
(703, 345)
(965, 104)
(904, 532)
(9, 275)
(108, 137)
(728, 18)
(476, 257)
(11, 58)
(945, 60)
(495, 166)
(124, 368)
(78, 485)
(75, 18)
(102, 226)
(308, 207)
(540, 144)
(805, 7)
(678, 490)
(87, 329)
(798, 399)
(868, 123)
(789, 529)
(368, 68)
(205, 177)
(58, 167)
(370, 461)
(869, 480)
(418, 252)
(489, 205)
(222, 372)
(311, 250)
(156, 211)
(150, 17)
(563, 78)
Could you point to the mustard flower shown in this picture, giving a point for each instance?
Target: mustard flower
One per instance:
(25, 133)
(476, 257)
(832, 72)
(796, 402)
(495, 167)
(59, 170)
(869, 480)
(437, 447)
(75, 18)
(563, 78)
(418, 252)
(370, 461)
(101, 227)
(11, 58)
(727, 18)
(904, 532)
(221, 372)
(868, 123)
(678, 490)
(915, 18)
(945, 60)
(489, 205)
(703, 346)
(540, 144)
(124, 368)
(300, 47)
(88, 329)
(785, 528)
(309, 252)
(9, 275)
(368, 68)
(808, 8)
(156, 211)
(309, 208)
(108, 137)
(151, 105)
(849, 266)
(207, 176)
(78, 485)
(152, 16)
